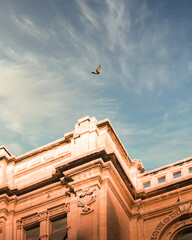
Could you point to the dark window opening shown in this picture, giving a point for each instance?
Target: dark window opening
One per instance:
(32, 234)
(186, 236)
(59, 229)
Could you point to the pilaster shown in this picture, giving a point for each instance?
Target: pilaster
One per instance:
(43, 225)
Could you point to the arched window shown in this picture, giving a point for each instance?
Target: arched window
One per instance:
(186, 236)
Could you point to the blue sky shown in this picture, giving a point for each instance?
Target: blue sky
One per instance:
(49, 48)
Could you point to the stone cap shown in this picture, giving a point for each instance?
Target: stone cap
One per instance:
(4, 153)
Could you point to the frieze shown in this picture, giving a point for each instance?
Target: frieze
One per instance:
(32, 219)
(60, 209)
(41, 216)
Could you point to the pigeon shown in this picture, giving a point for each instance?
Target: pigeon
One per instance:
(97, 70)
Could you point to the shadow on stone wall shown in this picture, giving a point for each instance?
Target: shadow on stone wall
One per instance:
(113, 226)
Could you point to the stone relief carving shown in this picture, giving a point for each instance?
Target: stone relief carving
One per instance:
(138, 165)
(60, 209)
(32, 219)
(43, 215)
(86, 198)
(18, 224)
(184, 209)
(156, 233)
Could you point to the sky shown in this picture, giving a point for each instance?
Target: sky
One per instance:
(49, 48)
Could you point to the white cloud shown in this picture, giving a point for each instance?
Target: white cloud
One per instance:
(117, 22)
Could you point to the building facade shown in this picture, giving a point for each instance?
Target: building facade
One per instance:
(85, 186)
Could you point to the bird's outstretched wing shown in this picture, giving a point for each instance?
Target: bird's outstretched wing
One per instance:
(97, 70)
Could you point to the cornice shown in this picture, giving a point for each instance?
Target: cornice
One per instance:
(72, 164)
(42, 149)
(99, 153)
(114, 136)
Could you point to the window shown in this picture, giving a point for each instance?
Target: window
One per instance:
(186, 236)
(190, 170)
(32, 234)
(177, 174)
(162, 179)
(59, 229)
(147, 184)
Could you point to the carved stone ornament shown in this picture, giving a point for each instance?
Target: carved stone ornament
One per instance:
(164, 223)
(59, 210)
(43, 215)
(185, 208)
(18, 224)
(31, 219)
(138, 165)
(86, 198)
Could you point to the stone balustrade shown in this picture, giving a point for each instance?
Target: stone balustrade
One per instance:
(165, 175)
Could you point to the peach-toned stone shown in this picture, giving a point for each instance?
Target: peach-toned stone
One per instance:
(88, 176)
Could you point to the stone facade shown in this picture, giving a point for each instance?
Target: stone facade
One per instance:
(88, 178)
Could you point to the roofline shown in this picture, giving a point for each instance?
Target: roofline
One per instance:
(108, 123)
(180, 162)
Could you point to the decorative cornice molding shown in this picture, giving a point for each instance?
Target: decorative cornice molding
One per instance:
(31, 219)
(64, 208)
(101, 153)
(43, 215)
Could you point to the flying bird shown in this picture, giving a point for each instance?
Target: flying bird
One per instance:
(97, 70)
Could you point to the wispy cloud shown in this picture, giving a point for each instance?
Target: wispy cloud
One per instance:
(89, 16)
(28, 26)
(46, 59)
(159, 144)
